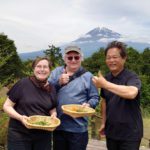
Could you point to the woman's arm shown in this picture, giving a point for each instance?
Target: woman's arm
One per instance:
(8, 107)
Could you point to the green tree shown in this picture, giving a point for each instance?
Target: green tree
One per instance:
(145, 94)
(11, 65)
(27, 67)
(96, 62)
(133, 60)
(145, 61)
(55, 55)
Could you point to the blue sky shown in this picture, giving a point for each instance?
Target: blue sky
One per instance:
(35, 24)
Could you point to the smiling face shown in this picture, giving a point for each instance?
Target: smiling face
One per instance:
(73, 61)
(41, 70)
(114, 61)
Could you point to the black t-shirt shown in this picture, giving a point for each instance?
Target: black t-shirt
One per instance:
(123, 117)
(29, 100)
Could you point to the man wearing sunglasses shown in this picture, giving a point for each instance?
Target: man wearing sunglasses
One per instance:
(74, 86)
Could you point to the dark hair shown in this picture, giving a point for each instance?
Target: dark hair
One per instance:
(38, 59)
(120, 45)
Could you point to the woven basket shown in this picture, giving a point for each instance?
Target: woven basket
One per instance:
(76, 110)
(49, 123)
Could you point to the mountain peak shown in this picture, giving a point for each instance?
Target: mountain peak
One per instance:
(98, 29)
(97, 34)
(103, 31)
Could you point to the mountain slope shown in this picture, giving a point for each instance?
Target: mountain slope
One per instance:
(98, 34)
(93, 40)
(100, 37)
(31, 55)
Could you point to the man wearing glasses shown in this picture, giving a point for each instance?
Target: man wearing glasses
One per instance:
(74, 86)
(120, 92)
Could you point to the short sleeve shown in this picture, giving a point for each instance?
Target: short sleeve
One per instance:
(14, 93)
(134, 81)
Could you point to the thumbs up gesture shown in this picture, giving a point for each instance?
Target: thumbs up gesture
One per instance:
(64, 78)
(99, 81)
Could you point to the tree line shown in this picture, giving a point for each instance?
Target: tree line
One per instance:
(13, 68)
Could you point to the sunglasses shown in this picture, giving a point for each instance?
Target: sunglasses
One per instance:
(73, 57)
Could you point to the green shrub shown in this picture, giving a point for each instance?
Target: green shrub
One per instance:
(4, 125)
(2, 100)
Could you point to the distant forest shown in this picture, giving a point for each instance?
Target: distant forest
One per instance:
(12, 68)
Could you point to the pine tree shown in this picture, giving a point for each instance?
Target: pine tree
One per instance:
(54, 53)
(10, 64)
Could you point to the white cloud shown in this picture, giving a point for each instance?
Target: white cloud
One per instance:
(106, 40)
(85, 36)
(35, 24)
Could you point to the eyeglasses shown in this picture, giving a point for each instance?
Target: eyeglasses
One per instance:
(70, 58)
(113, 57)
(42, 67)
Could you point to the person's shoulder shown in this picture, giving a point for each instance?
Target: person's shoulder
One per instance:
(22, 80)
(59, 68)
(108, 75)
(88, 74)
(25, 79)
(20, 83)
(130, 73)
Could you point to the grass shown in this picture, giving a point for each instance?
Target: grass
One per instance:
(3, 117)
(3, 92)
(145, 141)
(2, 100)
(3, 129)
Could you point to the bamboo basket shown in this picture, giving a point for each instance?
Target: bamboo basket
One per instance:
(51, 123)
(76, 110)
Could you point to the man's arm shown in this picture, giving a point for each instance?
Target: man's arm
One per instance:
(103, 110)
(103, 115)
(127, 92)
(93, 95)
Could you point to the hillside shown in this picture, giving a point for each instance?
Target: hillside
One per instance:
(92, 41)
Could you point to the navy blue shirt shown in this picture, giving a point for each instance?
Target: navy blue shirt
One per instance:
(123, 116)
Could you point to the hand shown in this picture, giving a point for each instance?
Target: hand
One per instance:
(102, 131)
(24, 119)
(86, 105)
(64, 78)
(100, 81)
(47, 83)
(54, 115)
